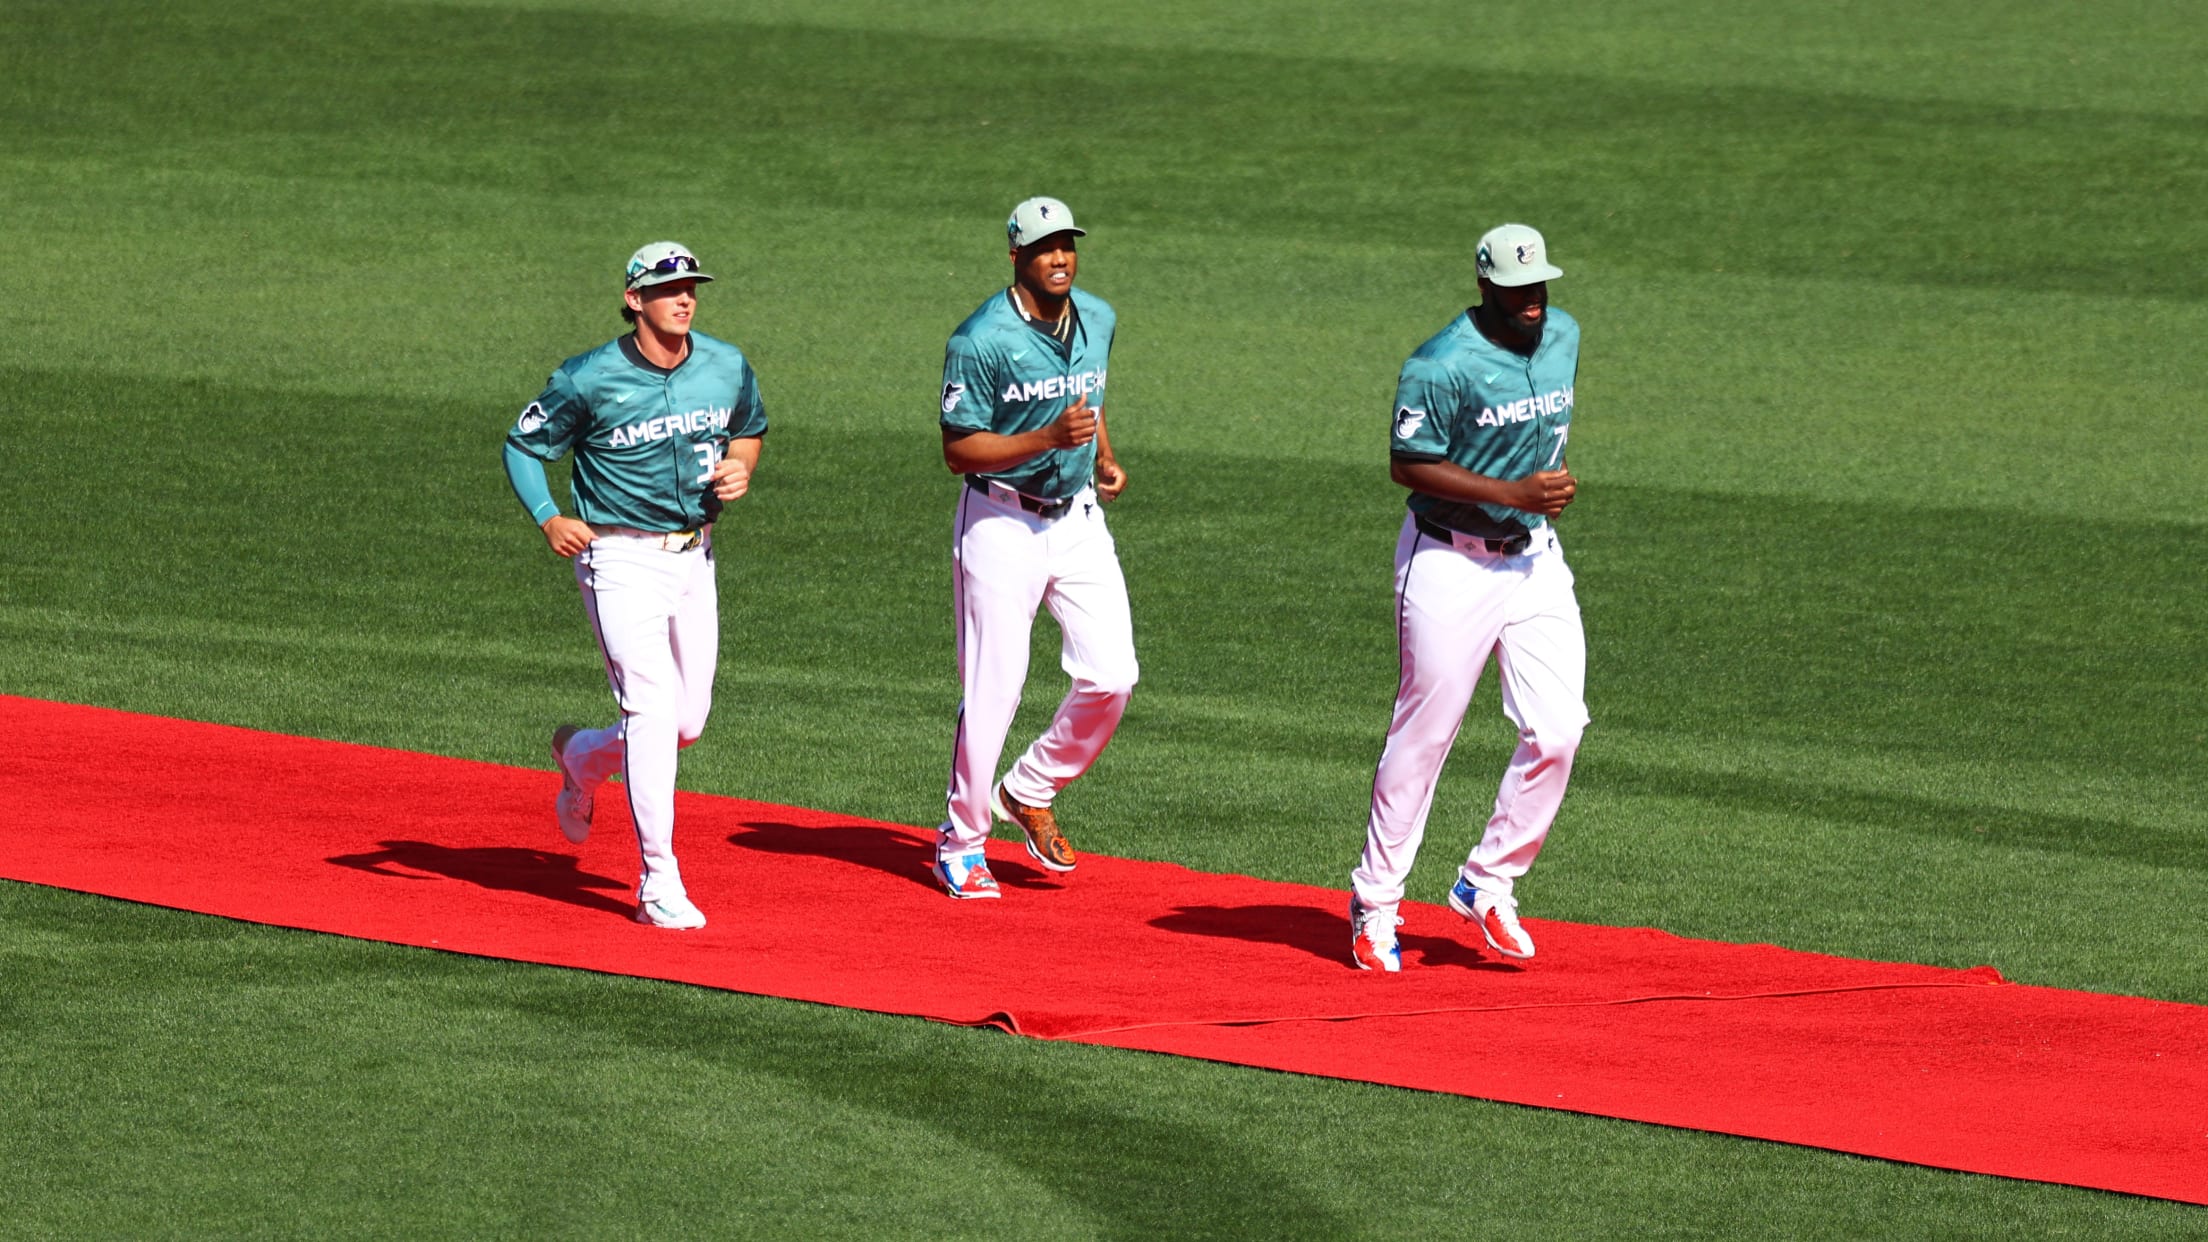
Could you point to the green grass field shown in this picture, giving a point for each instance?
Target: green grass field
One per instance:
(1890, 543)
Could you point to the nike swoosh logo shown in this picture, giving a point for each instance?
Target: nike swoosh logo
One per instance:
(1016, 357)
(1492, 378)
(618, 398)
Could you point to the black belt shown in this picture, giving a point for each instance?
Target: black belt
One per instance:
(1500, 547)
(1040, 508)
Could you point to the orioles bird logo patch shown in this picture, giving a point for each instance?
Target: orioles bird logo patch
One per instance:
(1407, 422)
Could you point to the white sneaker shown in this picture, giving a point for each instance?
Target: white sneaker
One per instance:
(575, 805)
(675, 913)
(967, 876)
(1372, 938)
(1497, 917)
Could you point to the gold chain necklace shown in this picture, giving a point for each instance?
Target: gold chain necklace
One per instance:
(1065, 312)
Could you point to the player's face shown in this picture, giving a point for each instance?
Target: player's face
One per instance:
(1046, 268)
(1520, 309)
(666, 309)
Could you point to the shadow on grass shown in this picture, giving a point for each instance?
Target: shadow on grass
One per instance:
(1317, 932)
(506, 868)
(884, 849)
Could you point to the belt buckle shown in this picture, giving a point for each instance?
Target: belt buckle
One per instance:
(1511, 546)
(690, 539)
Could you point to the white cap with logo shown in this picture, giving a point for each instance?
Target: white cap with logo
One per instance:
(1514, 254)
(657, 263)
(1038, 218)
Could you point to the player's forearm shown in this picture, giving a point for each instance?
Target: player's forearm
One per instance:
(982, 452)
(1449, 481)
(531, 487)
(1545, 492)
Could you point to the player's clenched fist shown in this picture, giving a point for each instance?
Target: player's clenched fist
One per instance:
(1110, 480)
(1075, 427)
(731, 478)
(567, 535)
(1545, 492)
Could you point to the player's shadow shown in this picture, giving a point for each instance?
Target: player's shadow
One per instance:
(1320, 933)
(871, 845)
(507, 868)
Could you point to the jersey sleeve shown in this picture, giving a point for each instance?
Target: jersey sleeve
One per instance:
(531, 488)
(550, 425)
(1425, 405)
(750, 420)
(968, 392)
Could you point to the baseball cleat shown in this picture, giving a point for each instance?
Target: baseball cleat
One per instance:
(575, 805)
(1039, 826)
(966, 876)
(1372, 938)
(675, 913)
(1496, 916)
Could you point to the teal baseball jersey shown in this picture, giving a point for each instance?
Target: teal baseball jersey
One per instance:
(1466, 400)
(1002, 376)
(645, 438)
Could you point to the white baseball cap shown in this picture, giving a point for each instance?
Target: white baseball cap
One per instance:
(1038, 218)
(1514, 254)
(658, 263)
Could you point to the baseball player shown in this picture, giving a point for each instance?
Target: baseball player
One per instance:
(1023, 421)
(665, 424)
(1482, 414)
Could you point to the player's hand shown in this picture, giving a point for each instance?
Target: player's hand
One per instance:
(731, 478)
(1110, 480)
(1545, 492)
(567, 535)
(1074, 428)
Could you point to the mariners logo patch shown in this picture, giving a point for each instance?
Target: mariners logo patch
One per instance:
(531, 419)
(952, 394)
(1408, 421)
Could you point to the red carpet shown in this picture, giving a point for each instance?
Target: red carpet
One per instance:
(1954, 1069)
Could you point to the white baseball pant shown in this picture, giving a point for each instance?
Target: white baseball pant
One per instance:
(1005, 562)
(1454, 606)
(657, 618)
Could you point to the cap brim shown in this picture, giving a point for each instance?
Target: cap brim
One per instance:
(668, 278)
(1530, 276)
(1053, 233)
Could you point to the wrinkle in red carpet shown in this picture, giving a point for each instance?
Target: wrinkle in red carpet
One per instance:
(1950, 1068)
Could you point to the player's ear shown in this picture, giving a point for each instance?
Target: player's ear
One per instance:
(632, 299)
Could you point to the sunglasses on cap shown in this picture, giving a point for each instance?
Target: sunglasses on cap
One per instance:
(666, 267)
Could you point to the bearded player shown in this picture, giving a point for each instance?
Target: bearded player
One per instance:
(1023, 422)
(1482, 413)
(665, 424)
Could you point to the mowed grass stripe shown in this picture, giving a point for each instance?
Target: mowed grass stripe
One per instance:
(1786, 182)
(1956, 633)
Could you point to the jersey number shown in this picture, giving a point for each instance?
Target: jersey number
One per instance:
(709, 455)
(1562, 434)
